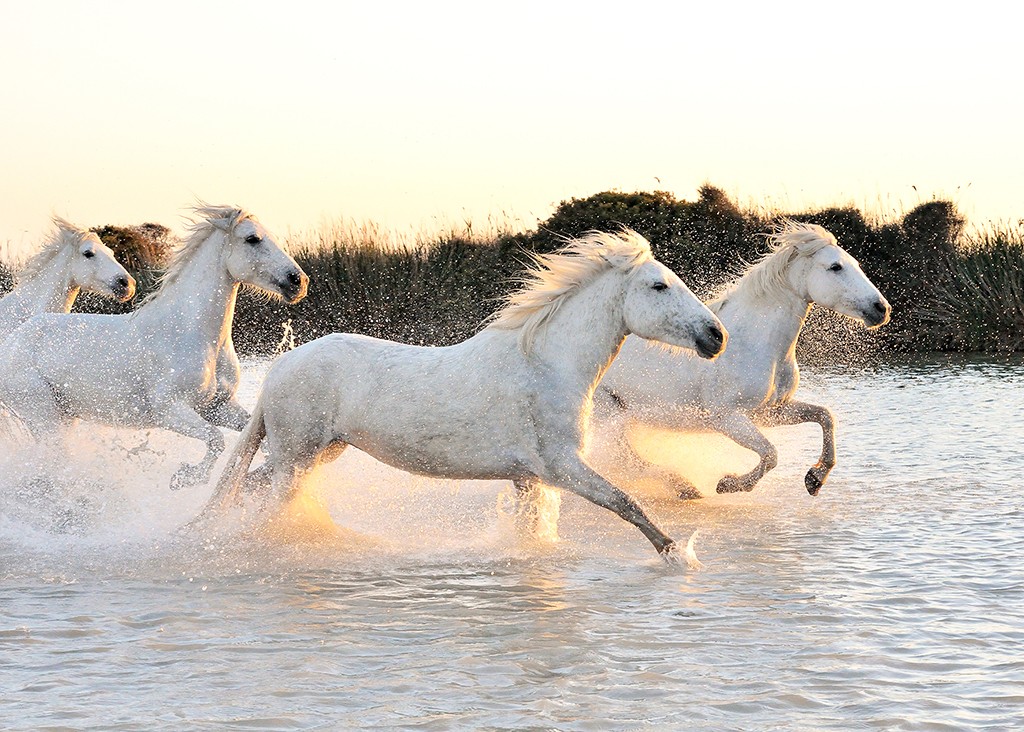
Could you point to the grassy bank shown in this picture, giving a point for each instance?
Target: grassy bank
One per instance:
(950, 290)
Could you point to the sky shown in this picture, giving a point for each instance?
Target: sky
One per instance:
(418, 116)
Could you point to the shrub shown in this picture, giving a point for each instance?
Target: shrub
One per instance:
(948, 291)
(976, 301)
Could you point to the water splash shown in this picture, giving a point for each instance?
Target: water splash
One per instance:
(287, 342)
(691, 554)
(534, 514)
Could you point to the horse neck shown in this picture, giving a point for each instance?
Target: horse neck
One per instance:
(48, 291)
(200, 298)
(776, 317)
(583, 337)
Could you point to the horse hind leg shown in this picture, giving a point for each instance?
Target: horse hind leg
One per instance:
(740, 429)
(290, 461)
(30, 405)
(260, 481)
(536, 509)
(292, 513)
(625, 457)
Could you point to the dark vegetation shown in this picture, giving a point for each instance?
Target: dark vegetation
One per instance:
(950, 290)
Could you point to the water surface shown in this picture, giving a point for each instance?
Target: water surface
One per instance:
(894, 600)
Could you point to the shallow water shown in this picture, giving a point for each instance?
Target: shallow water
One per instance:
(894, 600)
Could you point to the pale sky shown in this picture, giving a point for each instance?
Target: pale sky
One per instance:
(418, 114)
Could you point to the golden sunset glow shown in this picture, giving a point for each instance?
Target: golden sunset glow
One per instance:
(415, 115)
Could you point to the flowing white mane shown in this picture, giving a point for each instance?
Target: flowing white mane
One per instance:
(66, 235)
(793, 239)
(555, 277)
(208, 218)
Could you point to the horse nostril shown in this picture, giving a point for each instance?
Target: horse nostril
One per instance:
(880, 307)
(122, 281)
(295, 278)
(716, 333)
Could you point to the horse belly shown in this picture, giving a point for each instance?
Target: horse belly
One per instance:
(113, 400)
(418, 409)
(478, 453)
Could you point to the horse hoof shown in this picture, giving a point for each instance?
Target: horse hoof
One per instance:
(812, 482)
(670, 553)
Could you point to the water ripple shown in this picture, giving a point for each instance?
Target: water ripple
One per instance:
(895, 600)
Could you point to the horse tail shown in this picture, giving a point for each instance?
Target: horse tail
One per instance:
(239, 460)
(12, 425)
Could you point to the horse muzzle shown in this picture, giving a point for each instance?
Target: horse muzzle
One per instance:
(294, 287)
(711, 341)
(123, 288)
(877, 314)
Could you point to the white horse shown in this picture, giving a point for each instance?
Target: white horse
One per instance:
(157, 366)
(509, 403)
(72, 260)
(754, 380)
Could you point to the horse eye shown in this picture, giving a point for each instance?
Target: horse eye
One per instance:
(835, 267)
(252, 239)
(88, 254)
(659, 286)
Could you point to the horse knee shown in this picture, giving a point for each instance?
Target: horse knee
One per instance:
(770, 459)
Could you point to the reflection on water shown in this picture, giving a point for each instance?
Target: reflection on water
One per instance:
(894, 600)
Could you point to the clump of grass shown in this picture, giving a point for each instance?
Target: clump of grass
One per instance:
(977, 301)
(138, 248)
(6, 278)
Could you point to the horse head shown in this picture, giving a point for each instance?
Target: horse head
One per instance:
(824, 273)
(655, 303)
(255, 258)
(659, 307)
(94, 268)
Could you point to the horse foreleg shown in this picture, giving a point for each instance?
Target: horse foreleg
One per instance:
(31, 405)
(616, 434)
(800, 412)
(571, 473)
(739, 428)
(184, 420)
(228, 413)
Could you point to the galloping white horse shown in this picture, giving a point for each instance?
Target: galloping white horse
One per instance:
(157, 366)
(509, 403)
(754, 380)
(74, 259)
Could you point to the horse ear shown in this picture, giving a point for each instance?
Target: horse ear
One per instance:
(222, 224)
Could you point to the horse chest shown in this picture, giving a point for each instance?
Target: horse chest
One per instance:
(762, 384)
(193, 377)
